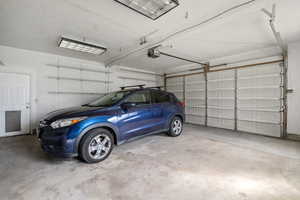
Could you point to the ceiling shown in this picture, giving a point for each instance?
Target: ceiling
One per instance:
(38, 24)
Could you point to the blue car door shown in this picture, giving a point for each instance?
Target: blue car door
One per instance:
(161, 103)
(136, 120)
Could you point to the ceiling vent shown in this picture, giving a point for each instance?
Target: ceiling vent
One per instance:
(150, 8)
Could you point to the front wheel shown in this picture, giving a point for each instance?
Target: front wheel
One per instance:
(96, 145)
(176, 127)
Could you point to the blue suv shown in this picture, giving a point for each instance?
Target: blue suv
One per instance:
(91, 130)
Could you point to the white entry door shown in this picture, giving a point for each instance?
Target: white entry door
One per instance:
(14, 104)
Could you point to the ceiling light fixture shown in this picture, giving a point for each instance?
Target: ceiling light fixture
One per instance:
(81, 46)
(150, 8)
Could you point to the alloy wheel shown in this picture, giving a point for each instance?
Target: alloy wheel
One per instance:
(99, 146)
(177, 126)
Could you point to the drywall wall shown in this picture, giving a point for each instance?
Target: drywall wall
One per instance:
(58, 82)
(293, 125)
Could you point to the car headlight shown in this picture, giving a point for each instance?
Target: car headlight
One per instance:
(66, 122)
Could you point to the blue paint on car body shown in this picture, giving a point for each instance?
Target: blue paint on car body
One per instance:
(125, 123)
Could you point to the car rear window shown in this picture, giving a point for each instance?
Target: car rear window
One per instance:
(160, 97)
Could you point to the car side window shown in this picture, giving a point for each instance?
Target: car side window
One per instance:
(140, 97)
(160, 97)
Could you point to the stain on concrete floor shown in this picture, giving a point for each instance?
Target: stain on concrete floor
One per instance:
(204, 163)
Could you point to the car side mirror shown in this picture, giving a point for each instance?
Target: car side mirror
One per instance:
(127, 105)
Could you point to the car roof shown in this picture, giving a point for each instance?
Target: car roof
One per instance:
(141, 89)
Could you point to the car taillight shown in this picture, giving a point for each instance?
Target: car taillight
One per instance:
(181, 103)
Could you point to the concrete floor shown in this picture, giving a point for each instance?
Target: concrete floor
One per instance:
(204, 163)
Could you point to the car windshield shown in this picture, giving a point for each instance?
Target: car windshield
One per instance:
(108, 100)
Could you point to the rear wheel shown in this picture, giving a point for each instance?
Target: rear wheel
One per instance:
(176, 127)
(96, 145)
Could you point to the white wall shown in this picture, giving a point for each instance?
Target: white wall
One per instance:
(37, 66)
(122, 76)
(294, 83)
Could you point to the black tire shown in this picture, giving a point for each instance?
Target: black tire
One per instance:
(172, 132)
(92, 140)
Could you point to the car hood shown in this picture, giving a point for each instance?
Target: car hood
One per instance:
(73, 112)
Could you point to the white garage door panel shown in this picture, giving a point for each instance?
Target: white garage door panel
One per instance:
(220, 112)
(220, 99)
(195, 99)
(263, 115)
(175, 85)
(261, 91)
(224, 103)
(246, 99)
(195, 119)
(259, 128)
(220, 123)
(259, 100)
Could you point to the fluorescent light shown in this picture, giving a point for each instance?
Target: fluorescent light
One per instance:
(81, 46)
(150, 8)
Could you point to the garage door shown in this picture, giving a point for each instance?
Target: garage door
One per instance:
(248, 99)
(176, 86)
(195, 99)
(220, 99)
(259, 99)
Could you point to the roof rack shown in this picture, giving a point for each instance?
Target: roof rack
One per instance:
(156, 87)
(132, 86)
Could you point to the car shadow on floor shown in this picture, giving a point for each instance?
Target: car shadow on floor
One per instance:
(28, 147)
